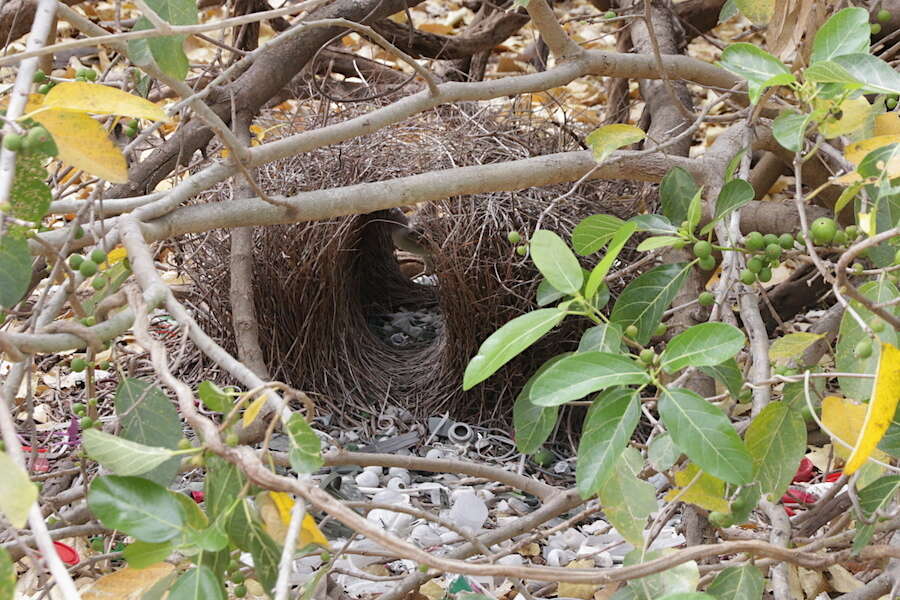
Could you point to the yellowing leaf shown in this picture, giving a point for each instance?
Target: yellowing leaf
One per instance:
(84, 144)
(101, 99)
(881, 408)
(310, 533)
(275, 509)
(844, 418)
(854, 113)
(584, 591)
(887, 124)
(792, 345)
(284, 503)
(115, 255)
(707, 492)
(127, 583)
(253, 410)
(758, 11)
(857, 151)
(605, 140)
(17, 493)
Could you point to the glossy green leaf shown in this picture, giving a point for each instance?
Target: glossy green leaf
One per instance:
(681, 579)
(166, 50)
(653, 223)
(136, 506)
(695, 211)
(30, 196)
(609, 138)
(594, 232)
(728, 374)
(845, 32)
(547, 294)
(792, 345)
(850, 334)
(508, 341)
(7, 576)
(148, 417)
(607, 428)
(15, 270)
(705, 433)
(581, 374)
(738, 583)
(556, 262)
(306, 449)
(675, 193)
(209, 539)
(776, 439)
(872, 498)
(599, 273)
(628, 501)
(662, 453)
(121, 456)
(757, 66)
(140, 555)
(215, 398)
(645, 299)
(702, 345)
(660, 241)
(789, 129)
(864, 71)
(735, 194)
(606, 337)
(198, 583)
(17, 492)
(533, 424)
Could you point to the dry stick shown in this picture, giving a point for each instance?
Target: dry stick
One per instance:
(781, 536)
(560, 44)
(654, 44)
(298, 511)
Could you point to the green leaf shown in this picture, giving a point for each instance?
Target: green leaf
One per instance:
(644, 300)
(738, 583)
(581, 374)
(744, 502)
(653, 223)
(30, 196)
(306, 449)
(609, 138)
(602, 338)
(699, 488)
(675, 193)
(758, 11)
(17, 492)
(199, 583)
(594, 232)
(706, 435)
(508, 341)
(872, 498)
(845, 32)
(628, 501)
(15, 270)
(662, 453)
(215, 398)
(789, 129)
(140, 555)
(136, 506)
(733, 164)
(661, 241)
(223, 486)
(556, 262)
(547, 294)
(776, 439)
(533, 424)
(849, 193)
(850, 334)
(735, 194)
(678, 580)
(758, 67)
(873, 164)
(121, 456)
(168, 50)
(599, 273)
(728, 374)
(792, 345)
(695, 210)
(265, 552)
(607, 428)
(148, 417)
(210, 539)
(7, 576)
(729, 10)
(702, 345)
(864, 71)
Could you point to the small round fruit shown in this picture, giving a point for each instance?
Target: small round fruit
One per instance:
(863, 349)
(823, 230)
(852, 232)
(39, 76)
(660, 330)
(325, 556)
(543, 457)
(610, 14)
(647, 355)
(764, 275)
(44, 89)
(184, 444)
(876, 28)
(92, 401)
(240, 590)
(131, 131)
(99, 282)
(707, 263)
(770, 238)
(840, 238)
(37, 135)
(13, 142)
(232, 439)
(521, 250)
(89, 321)
(679, 244)
(88, 268)
(857, 268)
(755, 264)
(877, 325)
(754, 241)
(786, 241)
(702, 249)
(98, 255)
(514, 237)
(79, 232)
(748, 277)
(78, 364)
(78, 408)
(237, 577)
(774, 251)
(706, 299)
(890, 103)
(883, 15)
(423, 568)
(75, 260)
(631, 331)
(233, 566)
(89, 74)
(85, 423)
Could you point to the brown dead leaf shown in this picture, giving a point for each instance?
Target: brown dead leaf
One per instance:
(842, 580)
(812, 582)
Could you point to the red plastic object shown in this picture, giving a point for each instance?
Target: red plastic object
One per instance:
(833, 476)
(789, 511)
(805, 471)
(197, 496)
(66, 553)
(796, 496)
(28, 449)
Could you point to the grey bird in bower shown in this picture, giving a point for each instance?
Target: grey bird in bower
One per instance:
(408, 239)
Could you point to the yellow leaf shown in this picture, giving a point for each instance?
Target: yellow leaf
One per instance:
(84, 144)
(17, 492)
(792, 345)
(758, 11)
(34, 102)
(275, 510)
(707, 492)
(253, 410)
(284, 503)
(854, 113)
(844, 418)
(887, 124)
(881, 408)
(584, 591)
(310, 533)
(127, 583)
(115, 255)
(609, 138)
(857, 151)
(101, 99)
